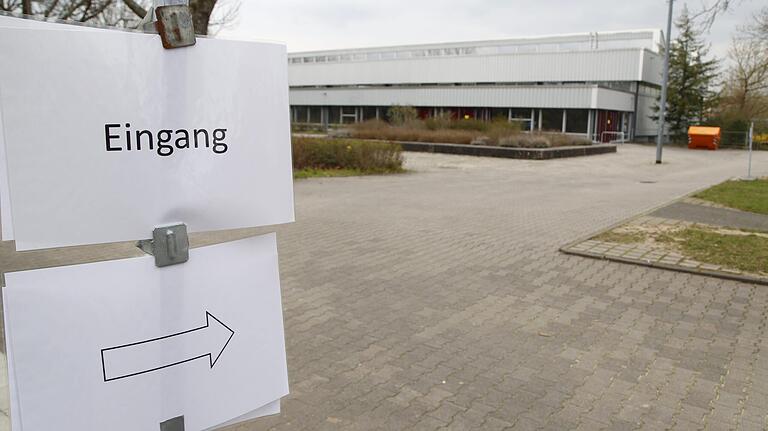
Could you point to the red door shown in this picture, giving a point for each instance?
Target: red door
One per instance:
(608, 121)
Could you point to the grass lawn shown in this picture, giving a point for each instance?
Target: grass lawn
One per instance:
(748, 252)
(743, 195)
(329, 173)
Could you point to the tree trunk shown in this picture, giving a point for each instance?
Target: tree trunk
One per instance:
(201, 14)
(26, 7)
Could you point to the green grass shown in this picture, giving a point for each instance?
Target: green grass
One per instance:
(749, 196)
(743, 252)
(621, 237)
(330, 173)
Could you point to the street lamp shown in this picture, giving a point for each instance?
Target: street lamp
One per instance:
(664, 85)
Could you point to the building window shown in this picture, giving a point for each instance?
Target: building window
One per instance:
(369, 113)
(315, 114)
(334, 115)
(576, 120)
(301, 114)
(552, 120)
(348, 115)
(499, 114)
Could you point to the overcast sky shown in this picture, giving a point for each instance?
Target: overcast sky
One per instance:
(327, 24)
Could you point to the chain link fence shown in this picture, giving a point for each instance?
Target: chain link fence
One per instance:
(735, 140)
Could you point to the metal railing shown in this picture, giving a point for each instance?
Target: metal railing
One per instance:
(621, 137)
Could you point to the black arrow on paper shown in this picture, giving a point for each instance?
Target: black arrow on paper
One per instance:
(129, 360)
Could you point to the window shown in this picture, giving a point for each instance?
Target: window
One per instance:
(499, 114)
(369, 113)
(315, 114)
(348, 115)
(552, 120)
(334, 115)
(521, 114)
(301, 114)
(577, 120)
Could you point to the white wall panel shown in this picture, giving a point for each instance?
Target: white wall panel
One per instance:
(575, 97)
(605, 65)
(646, 126)
(613, 65)
(653, 67)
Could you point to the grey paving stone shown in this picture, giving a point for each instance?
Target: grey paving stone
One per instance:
(392, 285)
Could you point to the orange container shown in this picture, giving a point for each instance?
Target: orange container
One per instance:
(707, 138)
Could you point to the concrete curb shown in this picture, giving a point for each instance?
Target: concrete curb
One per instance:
(704, 272)
(568, 249)
(509, 152)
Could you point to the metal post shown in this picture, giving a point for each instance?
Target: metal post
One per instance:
(533, 118)
(664, 84)
(751, 140)
(565, 121)
(541, 118)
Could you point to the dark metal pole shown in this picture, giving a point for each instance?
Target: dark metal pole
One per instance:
(751, 143)
(664, 85)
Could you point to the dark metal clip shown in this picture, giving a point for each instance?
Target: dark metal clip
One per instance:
(174, 23)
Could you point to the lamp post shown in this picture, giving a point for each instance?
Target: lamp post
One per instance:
(664, 85)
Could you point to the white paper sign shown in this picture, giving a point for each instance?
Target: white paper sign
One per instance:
(6, 222)
(123, 345)
(107, 135)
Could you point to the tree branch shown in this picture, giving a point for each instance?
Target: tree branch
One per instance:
(50, 8)
(136, 8)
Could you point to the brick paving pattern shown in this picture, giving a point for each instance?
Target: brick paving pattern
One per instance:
(438, 300)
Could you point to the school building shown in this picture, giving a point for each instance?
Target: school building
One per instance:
(602, 85)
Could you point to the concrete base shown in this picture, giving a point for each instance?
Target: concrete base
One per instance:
(509, 152)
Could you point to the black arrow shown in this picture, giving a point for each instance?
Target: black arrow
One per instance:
(146, 356)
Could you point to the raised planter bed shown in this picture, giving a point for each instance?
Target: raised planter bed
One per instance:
(509, 152)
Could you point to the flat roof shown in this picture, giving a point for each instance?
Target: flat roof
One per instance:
(640, 38)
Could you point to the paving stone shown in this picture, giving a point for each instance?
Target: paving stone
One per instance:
(393, 284)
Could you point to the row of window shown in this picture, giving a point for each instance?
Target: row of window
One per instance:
(576, 120)
(516, 48)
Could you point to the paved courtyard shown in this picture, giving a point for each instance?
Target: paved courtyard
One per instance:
(438, 300)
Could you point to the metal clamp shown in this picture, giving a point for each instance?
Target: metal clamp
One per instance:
(169, 245)
(174, 23)
(172, 19)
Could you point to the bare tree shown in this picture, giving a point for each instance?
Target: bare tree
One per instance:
(123, 13)
(745, 94)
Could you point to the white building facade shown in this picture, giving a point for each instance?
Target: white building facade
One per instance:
(600, 85)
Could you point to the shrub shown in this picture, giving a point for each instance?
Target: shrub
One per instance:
(413, 131)
(471, 124)
(439, 121)
(400, 115)
(542, 140)
(367, 157)
(464, 132)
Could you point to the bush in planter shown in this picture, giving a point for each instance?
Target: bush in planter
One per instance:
(525, 140)
(400, 115)
(367, 157)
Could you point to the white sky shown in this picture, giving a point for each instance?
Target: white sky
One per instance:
(328, 24)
